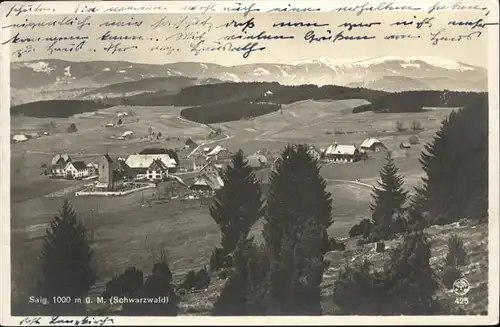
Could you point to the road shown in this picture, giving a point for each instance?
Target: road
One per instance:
(226, 137)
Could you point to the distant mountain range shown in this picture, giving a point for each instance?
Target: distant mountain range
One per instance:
(63, 79)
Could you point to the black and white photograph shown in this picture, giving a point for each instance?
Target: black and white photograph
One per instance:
(249, 159)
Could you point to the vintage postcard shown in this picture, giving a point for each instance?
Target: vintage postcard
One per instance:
(249, 162)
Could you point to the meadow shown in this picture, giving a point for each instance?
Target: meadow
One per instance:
(127, 231)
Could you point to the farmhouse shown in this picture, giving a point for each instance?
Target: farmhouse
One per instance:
(19, 138)
(342, 153)
(140, 163)
(372, 145)
(128, 134)
(76, 170)
(256, 161)
(268, 93)
(93, 168)
(404, 145)
(157, 171)
(58, 164)
(314, 153)
(210, 169)
(219, 153)
(207, 183)
(191, 144)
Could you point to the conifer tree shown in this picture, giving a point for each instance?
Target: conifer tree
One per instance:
(159, 284)
(243, 293)
(456, 164)
(389, 198)
(238, 204)
(409, 278)
(417, 211)
(298, 214)
(66, 262)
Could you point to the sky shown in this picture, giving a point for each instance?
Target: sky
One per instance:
(473, 51)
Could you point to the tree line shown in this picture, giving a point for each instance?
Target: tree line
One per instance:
(282, 275)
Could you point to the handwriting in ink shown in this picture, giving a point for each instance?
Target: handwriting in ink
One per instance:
(193, 36)
(18, 39)
(457, 6)
(110, 37)
(245, 9)
(202, 9)
(184, 23)
(383, 6)
(113, 48)
(132, 22)
(247, 49)
(437, 37)
(299, 24)
(20, 52)
(17, 10)
(350, 26)
(312, 37)
(290, 8)
(470, 23)
(30, 321)
(261, 36)
(84, 9)
(247, 24)
(168, 50)
(72, 47)
(64, 22)
(120, 8)
(401, 37)
(101, 321)
(418, 23)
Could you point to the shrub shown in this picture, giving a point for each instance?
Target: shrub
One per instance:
(354, 289)
(416, 125)
(219, 259)
(456, 255)
(363, 228)
(196, 280)
(72, 128)
(400, 126)
(334, 245)
(413, 139)
(450, 275)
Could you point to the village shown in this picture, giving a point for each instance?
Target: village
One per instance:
(199, 171)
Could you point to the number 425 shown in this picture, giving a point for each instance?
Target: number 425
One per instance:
(462, 300)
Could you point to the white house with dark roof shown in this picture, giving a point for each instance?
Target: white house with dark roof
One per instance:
(372, 145)
(140, 163)
(58, 164)
(76, 170)
(207, 183)
(210, 168)
(342, 153)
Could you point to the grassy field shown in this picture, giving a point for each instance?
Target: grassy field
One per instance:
(126, 232)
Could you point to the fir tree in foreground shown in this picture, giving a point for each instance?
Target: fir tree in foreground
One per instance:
(456, 165)
(389, 199)
(243, 293)
(298, 215)
(66, 262)
(406, 286)
(238, 204)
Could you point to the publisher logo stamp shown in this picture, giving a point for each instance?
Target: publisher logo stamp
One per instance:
(461, 287)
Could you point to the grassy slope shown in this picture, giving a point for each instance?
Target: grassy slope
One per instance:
(476, 271)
